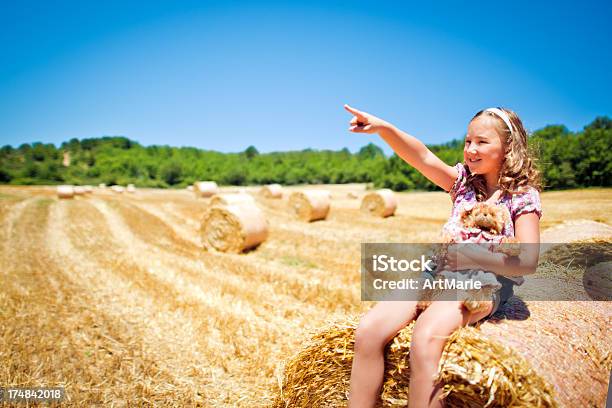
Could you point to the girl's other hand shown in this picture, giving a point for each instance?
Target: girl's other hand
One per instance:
(364, 122)
(457, 260)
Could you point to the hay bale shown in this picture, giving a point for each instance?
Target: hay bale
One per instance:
(189, 188)
(233, 228)
(583, 253)
(118, 189)
(130, 188)
(310, 205)
(88, 189)
(79, 190)
(205, 188)
(576, 230)
(558, 357)
(228, 199)
(381, 203)
(272, 191)
(102, 185)
(319, 375)
(597, 281)
(65, 191)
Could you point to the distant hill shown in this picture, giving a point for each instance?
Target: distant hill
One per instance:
(566, 160)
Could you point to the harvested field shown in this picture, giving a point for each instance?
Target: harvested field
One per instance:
(112, 296)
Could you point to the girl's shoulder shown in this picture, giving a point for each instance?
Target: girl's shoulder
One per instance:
(527, 200)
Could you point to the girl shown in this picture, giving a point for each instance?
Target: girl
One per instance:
(496, 169)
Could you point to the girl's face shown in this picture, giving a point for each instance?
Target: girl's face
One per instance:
(483, 150)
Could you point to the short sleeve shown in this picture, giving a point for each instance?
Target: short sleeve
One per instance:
(527, 202)
(459, 188)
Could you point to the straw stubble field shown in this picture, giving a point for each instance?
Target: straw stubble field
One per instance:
(111, 295)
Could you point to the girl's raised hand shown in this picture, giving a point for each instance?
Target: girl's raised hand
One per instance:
(363, 122)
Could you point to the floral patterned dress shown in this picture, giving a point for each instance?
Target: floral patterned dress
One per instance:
(464, 196)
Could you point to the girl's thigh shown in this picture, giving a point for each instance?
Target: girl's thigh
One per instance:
(388, 318)
(444, 317)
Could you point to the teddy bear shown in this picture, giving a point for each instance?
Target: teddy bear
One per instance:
(488, 220)
(481, 223)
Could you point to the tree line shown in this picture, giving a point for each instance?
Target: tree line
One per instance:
(566, 160)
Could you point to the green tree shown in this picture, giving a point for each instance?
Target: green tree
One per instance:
(5, 176)
(370, 151)
(251, 152)
(171, 173)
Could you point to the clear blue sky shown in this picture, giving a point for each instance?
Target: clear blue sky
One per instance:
(224, 76)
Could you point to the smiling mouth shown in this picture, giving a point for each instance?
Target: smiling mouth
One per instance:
(474, 160)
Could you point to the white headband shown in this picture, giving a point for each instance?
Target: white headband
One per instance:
(502, 115)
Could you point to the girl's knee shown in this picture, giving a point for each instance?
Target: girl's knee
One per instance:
(425, 343)
(368, 336)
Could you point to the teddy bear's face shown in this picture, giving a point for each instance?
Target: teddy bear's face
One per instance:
(485, 217)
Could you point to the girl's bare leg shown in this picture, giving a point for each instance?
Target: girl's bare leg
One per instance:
(375, 330)
(429, 336)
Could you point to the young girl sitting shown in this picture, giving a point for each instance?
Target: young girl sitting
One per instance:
(496, 169)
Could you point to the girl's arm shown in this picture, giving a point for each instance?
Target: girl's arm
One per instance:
(408, 147)
(527, 231)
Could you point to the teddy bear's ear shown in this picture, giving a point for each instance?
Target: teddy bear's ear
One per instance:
(466, 209)
(501, 216)
(465, 213)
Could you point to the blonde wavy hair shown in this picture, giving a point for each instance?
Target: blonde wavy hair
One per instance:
(518, 170)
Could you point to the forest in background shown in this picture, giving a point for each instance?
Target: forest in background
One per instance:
(566, 160)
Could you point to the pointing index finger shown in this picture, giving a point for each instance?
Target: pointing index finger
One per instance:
(353, 111)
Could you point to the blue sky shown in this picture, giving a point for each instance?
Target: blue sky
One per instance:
(223, 76)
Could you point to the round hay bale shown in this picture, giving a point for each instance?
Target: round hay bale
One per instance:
(189, 188)
(320, 374)
(102, 185)
(576, 230)
(597, 281)
(88, 189)
(582, 253)
(118, 189)
(130, 188)
(233, 228)
(228, 199)
(65, 191)
(272, 191)
(558, 356)
(310, 205)
(205, 188)
(381, 203)
(79, 190)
